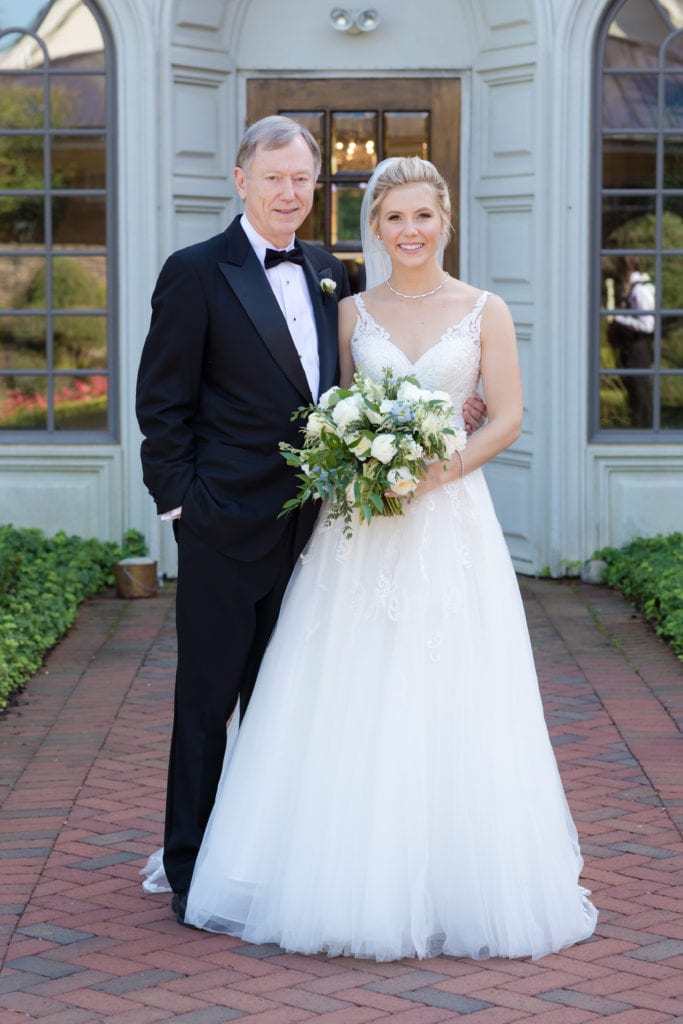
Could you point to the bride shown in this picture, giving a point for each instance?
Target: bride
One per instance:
(392, 791)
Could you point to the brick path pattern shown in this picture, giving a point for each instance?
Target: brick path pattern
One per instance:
(82, 775)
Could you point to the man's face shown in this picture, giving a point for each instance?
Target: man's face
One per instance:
(277, 190)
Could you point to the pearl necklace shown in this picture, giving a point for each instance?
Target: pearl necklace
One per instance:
(422, 295)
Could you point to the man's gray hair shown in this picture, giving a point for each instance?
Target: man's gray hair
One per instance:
(274, 132)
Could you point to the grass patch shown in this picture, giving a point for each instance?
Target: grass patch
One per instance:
(649, 572)
(42, 583)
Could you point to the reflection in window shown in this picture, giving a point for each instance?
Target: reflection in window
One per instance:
(640, 226)
(55, 356)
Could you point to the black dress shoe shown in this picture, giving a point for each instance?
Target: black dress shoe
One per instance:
(179, 905)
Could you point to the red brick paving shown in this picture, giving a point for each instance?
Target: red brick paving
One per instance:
(82, 774)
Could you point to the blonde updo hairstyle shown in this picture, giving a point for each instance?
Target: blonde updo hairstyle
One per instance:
(411, 170)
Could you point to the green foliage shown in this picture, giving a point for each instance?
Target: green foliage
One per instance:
(42, 583)
(649, 572)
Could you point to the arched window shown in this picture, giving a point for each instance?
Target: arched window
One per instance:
(638, 366)
(56, 351)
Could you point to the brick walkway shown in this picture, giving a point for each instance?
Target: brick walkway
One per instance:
(82, 778)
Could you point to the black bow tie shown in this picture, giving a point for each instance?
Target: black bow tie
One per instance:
(275, 256)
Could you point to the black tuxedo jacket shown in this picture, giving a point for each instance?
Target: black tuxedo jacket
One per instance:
(218, 381)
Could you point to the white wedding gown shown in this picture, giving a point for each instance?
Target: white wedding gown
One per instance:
(392, 791)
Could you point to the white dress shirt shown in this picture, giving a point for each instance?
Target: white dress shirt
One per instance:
(288, 282)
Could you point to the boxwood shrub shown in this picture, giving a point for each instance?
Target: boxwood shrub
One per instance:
(42, 582)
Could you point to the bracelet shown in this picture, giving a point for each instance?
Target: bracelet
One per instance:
(462, 463)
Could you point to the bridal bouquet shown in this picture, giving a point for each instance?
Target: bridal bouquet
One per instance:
(369, 438)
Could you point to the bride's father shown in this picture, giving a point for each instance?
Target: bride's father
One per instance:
(243, 331)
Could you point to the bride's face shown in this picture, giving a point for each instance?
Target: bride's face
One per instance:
(411, 224)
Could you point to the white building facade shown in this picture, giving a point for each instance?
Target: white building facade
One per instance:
(559, 124)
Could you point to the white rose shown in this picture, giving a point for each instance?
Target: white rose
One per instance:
(315, 424)
(412, 449)
(441, 396)
(361, 445)
(402, 480)
(408, 392)
(345, 411)
(383, 448)
(431, 423)
(326, 398)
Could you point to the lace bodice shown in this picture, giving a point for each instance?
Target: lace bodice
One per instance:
(451, 364)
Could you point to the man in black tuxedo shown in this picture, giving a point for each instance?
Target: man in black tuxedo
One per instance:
(239, 338)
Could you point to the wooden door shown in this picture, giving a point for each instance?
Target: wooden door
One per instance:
(357, 123)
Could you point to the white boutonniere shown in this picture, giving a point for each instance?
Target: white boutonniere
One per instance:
(328, 287)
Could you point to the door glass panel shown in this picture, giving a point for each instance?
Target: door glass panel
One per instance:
(22, 221)
(313, 228)
(406, 134)
(353, 142)
(673, 101)
(79, 220)
(314, 121)
(626, 401)
(16, 274)
(672, 222)
(674, 52)
(629, 161)
(345, 213)
(77, 101)
(80, 342)
(21, 161)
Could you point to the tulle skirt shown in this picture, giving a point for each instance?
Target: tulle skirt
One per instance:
(392, 791)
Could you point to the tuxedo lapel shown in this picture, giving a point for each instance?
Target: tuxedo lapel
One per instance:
(326, 325)
(248, 280)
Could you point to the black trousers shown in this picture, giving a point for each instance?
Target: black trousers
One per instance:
(225, 613)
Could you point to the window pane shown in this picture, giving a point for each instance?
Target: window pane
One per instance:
(81, 403)
(23, 403)
(671, 389)
(22, 343)
(406, 134)
(672, 282)
(673, 161)
(635, 35)
(80, 43)
(314, 121)
(614, 409)
(22, 221)
(78, 161)
(616, 272)
(79, 220)
(80, 342)
(672, 342)
(628, 222)
(629, 101)
(77, 101)
(313, 228)
(626, 401)
(674, 52)
(673, 101)
(79, 282)
(16, 274)
(672, 222)
(345, 219)
(21, 101)
(629, 161)
(354, 142)
(21, 162)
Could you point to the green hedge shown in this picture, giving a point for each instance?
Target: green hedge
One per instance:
(649, 572)
(42, 583)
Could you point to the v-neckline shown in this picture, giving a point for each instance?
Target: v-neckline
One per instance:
(444, 337)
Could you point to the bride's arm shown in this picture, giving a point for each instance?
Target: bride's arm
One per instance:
(348, 314)
(503, 391)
